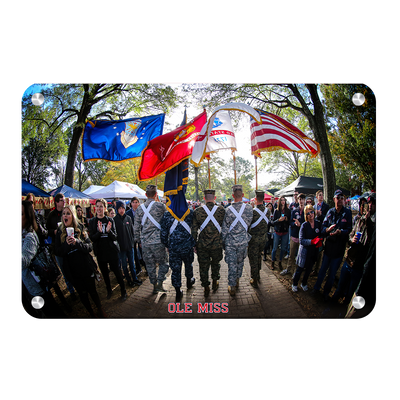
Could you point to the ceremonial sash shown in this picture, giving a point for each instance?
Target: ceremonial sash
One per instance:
(263, 216)
(147, 215)
(210, 217)
(238, 217)
(175, 224)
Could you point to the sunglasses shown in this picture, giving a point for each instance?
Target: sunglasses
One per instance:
(310, 212)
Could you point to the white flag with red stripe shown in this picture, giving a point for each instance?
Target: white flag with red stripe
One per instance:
(203, 143)
(275, 134)
(221, 135)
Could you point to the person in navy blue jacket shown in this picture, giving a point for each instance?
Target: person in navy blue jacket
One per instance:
(310, 240)
(336, 227)
(296, 219)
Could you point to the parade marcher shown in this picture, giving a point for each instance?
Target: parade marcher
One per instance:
(208, 219)
(229, 203)
(103, 234)
(310, 241)
(177, 238)
(125, 238)
(147, 234)
(235, 237)
(74, 248)
(258, 232)
(297, 217)
(281, 220)
(336, 228)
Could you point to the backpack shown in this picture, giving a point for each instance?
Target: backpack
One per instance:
(45, 267)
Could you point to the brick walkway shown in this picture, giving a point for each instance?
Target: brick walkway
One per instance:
(270, 300)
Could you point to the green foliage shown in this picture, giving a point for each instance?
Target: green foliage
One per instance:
(352, 134)
(67, 107)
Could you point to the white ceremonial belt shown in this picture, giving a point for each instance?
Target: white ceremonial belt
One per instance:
(238, 217)
(263, 216)
(210, 217)
(175, 224)
(149, 216)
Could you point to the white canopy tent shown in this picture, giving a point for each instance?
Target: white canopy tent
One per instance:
(93, 188)
(121, 190)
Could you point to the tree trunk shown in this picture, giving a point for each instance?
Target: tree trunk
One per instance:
(76, 135)
(319, 130)
(317, 125)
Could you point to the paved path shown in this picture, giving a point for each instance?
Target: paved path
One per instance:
(270, 300)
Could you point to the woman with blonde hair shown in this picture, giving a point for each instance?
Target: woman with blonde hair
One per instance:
(310, 241)
(74, 246)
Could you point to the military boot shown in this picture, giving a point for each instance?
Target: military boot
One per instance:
(215, 284)
(158, 287)
(190, 282)
(179, 294)
(206, 291)
(253, 282)
(232, 290)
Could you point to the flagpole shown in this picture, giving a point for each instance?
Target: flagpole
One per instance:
(255, 160)
(209, 175)
(234, 165)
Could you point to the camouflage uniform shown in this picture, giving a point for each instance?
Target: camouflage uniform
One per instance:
(258, 238)
(149, 236)
(235, 240)
(180, 245)
(208, 243)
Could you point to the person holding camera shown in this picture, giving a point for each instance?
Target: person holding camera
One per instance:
(336, 228)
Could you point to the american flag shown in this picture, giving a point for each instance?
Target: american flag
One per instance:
(275, 134)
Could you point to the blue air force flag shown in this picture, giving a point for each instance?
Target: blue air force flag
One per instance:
(120, 140)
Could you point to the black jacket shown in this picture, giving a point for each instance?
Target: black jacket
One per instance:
(76, 263)
(281, 226)
(103, 242)
(124, 227)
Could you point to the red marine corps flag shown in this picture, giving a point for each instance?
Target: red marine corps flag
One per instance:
(167, 151)
(275, 133)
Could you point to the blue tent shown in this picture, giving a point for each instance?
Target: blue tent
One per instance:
(29, 188)
(69, 192)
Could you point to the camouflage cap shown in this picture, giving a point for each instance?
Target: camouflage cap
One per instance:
(209, 191)
(237, 187)
(151, 187)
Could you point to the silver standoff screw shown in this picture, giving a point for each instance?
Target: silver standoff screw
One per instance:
(37, 302)
(358, 99)
(37, 99)
(358, 302)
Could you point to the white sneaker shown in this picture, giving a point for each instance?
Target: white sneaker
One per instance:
(294, 288)
(305, 288)
(284, 272)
